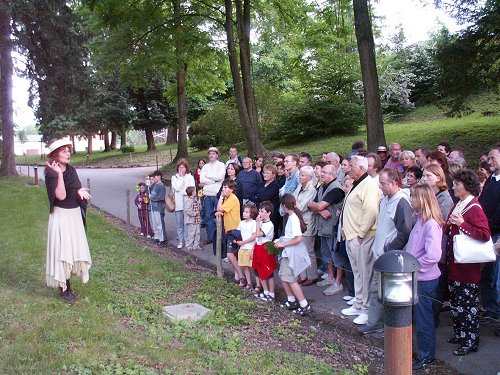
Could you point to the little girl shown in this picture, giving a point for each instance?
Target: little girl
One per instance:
(263, 263)
(141, 202)
(248, 230)
(294, 258)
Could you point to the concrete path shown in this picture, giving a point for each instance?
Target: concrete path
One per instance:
(108, 190)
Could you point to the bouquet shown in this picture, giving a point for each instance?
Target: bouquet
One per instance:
(272, 249)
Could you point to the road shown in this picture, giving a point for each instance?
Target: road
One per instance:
(108, 190)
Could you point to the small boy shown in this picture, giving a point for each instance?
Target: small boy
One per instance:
(192, 219)
(263, 263)
(141, 202)
(228, 207)
(248, 230)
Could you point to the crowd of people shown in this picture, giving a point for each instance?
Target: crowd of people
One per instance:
(322, 223)
(330, 220)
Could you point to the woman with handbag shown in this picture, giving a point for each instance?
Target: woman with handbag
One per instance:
(467, 217)
(180, 181)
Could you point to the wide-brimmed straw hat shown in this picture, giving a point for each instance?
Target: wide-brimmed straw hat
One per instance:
(59, 143)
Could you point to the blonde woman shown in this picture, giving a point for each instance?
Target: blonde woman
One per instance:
(435, 177)
(425, 244)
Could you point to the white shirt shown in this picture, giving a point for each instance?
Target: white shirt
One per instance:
(247, 229)
(292, 228)
(211, 176)
(267, 229)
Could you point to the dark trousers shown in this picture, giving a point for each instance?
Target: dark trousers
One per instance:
(464, 300)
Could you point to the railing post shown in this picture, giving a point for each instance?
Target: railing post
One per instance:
(218, 248)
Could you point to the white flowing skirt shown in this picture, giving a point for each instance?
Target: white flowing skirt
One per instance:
(67, 247)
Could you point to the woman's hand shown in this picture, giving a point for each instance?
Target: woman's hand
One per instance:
(54, 166)
(278, 245)
(456, 219)
(83, 193)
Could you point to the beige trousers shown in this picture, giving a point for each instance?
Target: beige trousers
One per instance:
(361, 258)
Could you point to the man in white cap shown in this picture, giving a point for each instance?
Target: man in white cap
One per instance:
(211, 177)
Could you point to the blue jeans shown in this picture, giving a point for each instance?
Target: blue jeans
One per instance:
(489, 285)
(424, 320)
(210, 205)
(349, 276)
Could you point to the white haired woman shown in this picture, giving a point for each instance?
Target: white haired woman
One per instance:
(304, 194)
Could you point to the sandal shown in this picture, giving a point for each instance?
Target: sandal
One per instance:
(242, 283)
(249, 287)
(258, 289)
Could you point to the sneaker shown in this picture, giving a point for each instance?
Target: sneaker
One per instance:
(180, 245)
(225, 260)
(347, 298)
(325, 282)
(189, 249)
(267, 298)
(141, 234)
(366, 329)
(351, 302)
(361, 319)
(198, 248)
(333, 289)
(290, 305)
(351, 311)
(307, 309)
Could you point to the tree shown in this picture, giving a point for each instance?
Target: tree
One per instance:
(366, 50)
(469, 60)
(8, 166)
(52, 37)
(241, 72)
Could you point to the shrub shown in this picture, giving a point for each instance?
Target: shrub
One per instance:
(318, 117)
(127, 148)
(220, 127)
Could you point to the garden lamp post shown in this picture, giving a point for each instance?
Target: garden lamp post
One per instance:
(397, 291)
(35, 169)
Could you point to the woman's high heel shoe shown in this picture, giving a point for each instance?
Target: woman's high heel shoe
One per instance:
(465, 350)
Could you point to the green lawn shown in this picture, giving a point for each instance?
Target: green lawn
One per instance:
(117, 327)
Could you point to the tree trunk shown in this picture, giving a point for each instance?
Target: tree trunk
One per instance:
(123, 137)
(366, 50)
(89, 145)
(150, 140)
(182, 150)
(171, 135)
(8, 167)
(114, 137)
(106, 141)
(73, 144)
(246, 114)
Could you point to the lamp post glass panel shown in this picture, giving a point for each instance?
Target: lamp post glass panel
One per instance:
(397, 291)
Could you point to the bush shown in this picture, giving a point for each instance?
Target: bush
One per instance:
(318, 117)
(219, 127)
(127, 148)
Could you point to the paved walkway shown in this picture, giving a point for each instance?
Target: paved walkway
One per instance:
(108, 189)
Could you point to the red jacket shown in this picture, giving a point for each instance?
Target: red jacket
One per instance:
(476, 226)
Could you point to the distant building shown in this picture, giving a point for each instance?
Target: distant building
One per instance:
(35, 146)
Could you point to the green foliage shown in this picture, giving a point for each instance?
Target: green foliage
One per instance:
(220, 127)
(317, 117)
(127, 148)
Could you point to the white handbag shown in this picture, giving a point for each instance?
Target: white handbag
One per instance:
(469, 250)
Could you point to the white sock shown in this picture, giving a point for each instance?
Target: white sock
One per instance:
(291, 298)
(303, 303)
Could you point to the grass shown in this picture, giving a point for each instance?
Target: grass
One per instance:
(117, 327)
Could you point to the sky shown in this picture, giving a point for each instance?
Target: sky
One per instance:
(417, 20)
